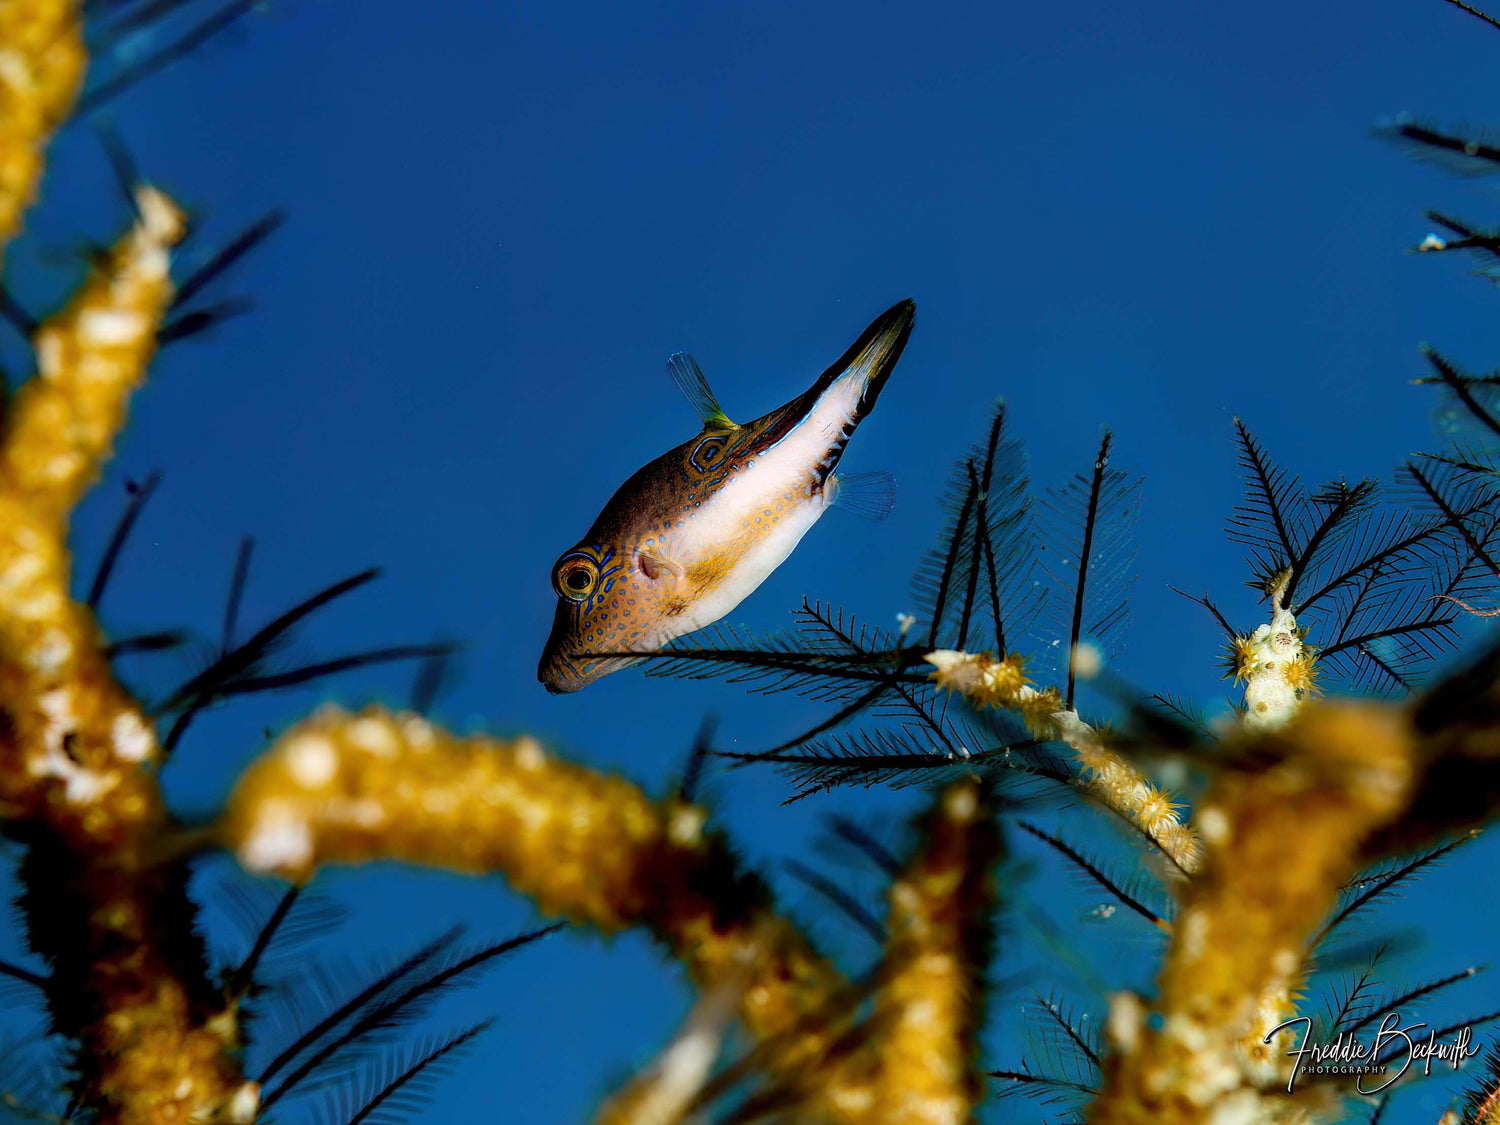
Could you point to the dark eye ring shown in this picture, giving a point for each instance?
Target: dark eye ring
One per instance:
(576, 578)
(708, 453)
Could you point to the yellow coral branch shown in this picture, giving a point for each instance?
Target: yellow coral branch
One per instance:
(1108, 778)
(76, 736)
(1279, 673)
(928, 1009)
(74, 747)
(42, 59)
(342, 788)
(1281, 839)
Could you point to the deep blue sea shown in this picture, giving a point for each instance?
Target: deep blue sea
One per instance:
(504, 217)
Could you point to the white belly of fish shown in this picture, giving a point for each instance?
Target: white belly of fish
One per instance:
(753, 567)
(783, 474)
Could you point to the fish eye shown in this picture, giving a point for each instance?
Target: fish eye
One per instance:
(576, 577)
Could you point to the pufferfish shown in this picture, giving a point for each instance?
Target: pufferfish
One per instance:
(688, 537)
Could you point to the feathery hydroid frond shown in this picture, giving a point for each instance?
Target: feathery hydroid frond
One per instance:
(1457, 150)
(1386, 880)
(401, 1084)
(1116, 888)
(362, 1000)
(394, 1009)
(1089, 521)
(974, 587)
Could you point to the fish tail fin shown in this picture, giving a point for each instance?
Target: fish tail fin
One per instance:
(694, 386)
(864, 368)
(870, 496)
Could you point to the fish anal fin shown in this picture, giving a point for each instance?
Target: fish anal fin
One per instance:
(694, 386)
(870, 496)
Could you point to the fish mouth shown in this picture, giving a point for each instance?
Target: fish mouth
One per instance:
(560, 677)
(563, 677)
(559, 673)
(562, 673)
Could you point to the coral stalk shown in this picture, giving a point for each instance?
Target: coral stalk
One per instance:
(128, 981)
(1108, 778)
(42, 60)
(929, 1007)
(1280, 841)
(76, 740)
(342, 788)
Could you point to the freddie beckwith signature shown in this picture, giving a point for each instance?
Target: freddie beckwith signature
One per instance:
(1393, 1049)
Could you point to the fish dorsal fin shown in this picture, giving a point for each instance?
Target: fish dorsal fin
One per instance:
(691, 382)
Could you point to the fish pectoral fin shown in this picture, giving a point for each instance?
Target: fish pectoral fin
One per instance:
(694, 386)
(655, 566)
(870, 496)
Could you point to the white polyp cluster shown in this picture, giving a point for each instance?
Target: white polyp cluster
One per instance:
(1270, 660)
(1088, 660)
(81, 785)
(685, 825)
(312, 760)
(244, 1106)
(961, 671)
(133, 738)
(1126, 1021)
(280, 841)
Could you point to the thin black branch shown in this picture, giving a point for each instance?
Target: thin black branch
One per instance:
(139, 495)
(1384, 884)
(387, 1011)
(185, 44)
(382, 983)
(240, 979)
(828, 889)
(416, 1070)
(1093, 872)
(237, 247)
(237, 580)
(954, 545)
(16, 972)
(1475, 12)
(1101, 463)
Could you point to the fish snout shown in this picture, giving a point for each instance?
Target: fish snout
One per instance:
(556, 686)
(558, 672)
(559, 675)
(570, 660)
